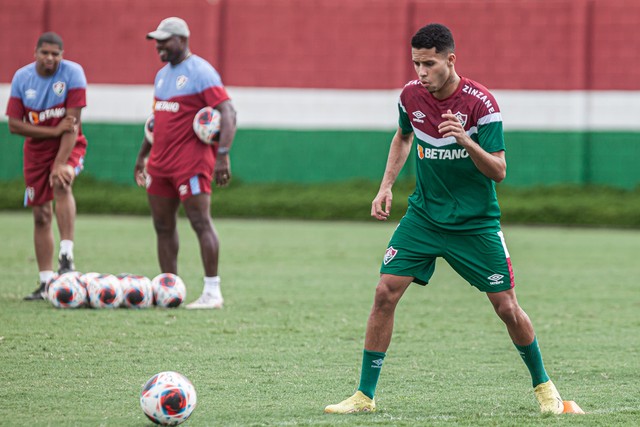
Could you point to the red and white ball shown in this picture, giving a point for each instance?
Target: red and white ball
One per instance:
(66, 291)
(136, 291)
(206, 124)
(168, 398)
(169, 290)
(105, 291)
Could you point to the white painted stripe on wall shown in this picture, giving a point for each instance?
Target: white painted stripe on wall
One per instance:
(287, 108)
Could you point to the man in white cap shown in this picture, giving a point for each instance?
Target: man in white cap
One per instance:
(176, 167)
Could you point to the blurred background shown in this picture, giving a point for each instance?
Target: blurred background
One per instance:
(315, 82)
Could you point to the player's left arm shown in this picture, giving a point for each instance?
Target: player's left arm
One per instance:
(222, 168)
(61, 170)
(492, 165)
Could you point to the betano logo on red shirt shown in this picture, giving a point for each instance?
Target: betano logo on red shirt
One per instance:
(171, 107)
(51, 113)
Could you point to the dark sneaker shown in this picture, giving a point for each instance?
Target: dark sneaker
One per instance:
(37, 294)
(65, 264)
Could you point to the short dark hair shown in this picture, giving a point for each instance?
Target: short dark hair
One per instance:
(50, 38)
(434, 35)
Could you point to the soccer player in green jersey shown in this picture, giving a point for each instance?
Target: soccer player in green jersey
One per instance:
(453, 212)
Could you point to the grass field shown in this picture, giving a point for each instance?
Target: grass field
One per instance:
(289, 339)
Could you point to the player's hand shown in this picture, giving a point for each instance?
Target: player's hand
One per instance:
(61, 173)
(67, 125)
(381, 205)
(222, 170)
(452, 127)
(140, 173)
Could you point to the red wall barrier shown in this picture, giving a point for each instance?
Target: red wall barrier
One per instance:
(356, 44)
(20, 27)
(346, 44)
(514, 44)
(615, 45)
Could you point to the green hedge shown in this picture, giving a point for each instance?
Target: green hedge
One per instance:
(563, 205)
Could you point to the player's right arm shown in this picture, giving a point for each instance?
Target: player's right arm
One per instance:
(398, 154)
(20, 127)
(139, 170)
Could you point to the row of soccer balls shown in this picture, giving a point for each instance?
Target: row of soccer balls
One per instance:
(206, 125)
(74, 290)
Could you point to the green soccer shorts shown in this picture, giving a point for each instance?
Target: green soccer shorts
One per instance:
(481, 259)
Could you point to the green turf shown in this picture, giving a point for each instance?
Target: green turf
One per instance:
(289, 339)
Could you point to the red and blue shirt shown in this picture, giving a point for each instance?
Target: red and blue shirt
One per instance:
(180, 91)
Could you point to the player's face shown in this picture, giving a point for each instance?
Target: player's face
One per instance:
(171, 50)
(435, 70)
(48, 57)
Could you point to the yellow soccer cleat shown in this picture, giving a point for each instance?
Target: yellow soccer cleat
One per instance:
(548, 398)
(359, 402)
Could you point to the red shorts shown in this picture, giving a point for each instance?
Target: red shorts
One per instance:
(174, 187)
(36, 176)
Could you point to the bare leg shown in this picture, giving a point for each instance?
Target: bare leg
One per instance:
(197, 209)
(65, 210)
(43, 236)
(164, 211)
(516, 320)
(380, 324)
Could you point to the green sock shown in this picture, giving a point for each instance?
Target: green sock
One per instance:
(533, 359)
(371, 366)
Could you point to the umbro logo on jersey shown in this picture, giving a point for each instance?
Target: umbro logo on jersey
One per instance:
(58, 88)
(496, 279)
(30, 93)
(183, 189)
(181, 81)
(389, 254)
(418, 116)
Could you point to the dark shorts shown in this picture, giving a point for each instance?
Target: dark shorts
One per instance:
(36, 176)
(482, 259)
(178, 187)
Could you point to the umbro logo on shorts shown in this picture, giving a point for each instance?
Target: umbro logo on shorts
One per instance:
(496, 279)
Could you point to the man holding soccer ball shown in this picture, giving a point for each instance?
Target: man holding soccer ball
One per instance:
(47, 97)
(453, 212)
(176, 167)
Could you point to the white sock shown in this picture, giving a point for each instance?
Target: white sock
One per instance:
(45, 276)
(66, 248)
(212, 286)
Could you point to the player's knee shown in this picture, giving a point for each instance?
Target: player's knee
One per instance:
(385, 297)
(42, 217)
(164, 227)
(508, 311)
(201, 224)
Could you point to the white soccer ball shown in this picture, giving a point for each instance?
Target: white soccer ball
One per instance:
(168, 398)
(105, 291)
(66, 291)
(169, 290)
(136, 291)
(148, 128)
(206, 124)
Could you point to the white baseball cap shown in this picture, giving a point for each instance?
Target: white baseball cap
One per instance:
(169, 27)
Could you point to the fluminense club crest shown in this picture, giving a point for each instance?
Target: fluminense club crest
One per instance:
(462, 118)
(58, 88)
(389, 254)
(181, 81)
